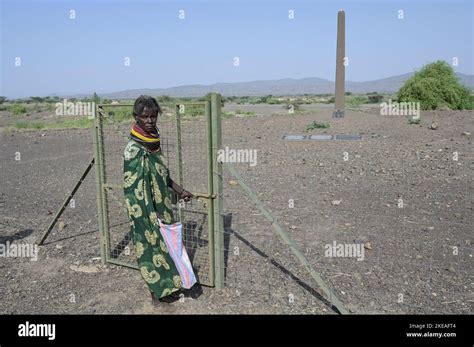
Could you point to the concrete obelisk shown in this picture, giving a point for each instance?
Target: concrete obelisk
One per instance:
(340, 69)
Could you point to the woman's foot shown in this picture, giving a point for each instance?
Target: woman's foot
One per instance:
(169, 299)
(154, 301)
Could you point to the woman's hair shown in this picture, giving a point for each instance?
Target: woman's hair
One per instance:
(145, 101)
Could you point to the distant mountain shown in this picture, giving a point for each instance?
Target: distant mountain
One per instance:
(393, 84)
(287, 86)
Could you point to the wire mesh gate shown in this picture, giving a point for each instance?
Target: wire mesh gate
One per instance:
(241, 250)
(190, 136)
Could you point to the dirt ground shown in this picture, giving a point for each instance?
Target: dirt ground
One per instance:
(417, 259)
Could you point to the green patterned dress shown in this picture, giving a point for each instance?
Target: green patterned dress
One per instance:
(147, 198)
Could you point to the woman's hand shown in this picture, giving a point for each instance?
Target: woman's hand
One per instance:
(185, 195)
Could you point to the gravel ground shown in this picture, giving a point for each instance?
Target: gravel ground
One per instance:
(417, 259)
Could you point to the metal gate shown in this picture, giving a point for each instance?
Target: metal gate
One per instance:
(190, 137)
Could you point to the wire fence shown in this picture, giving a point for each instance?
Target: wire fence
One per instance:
(261, 269)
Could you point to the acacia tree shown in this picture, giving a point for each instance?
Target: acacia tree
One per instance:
(36, 99)
(436, 85)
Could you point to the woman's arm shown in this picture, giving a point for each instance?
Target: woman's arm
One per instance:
(183, 193)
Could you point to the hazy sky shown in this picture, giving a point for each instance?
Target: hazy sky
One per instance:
(85, 54)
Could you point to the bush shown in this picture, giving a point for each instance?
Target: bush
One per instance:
(255, 100)
(316, 125)
(71, 123)
(36, 99)
(22, 125)
(274, 101)
(120, 114)
(227, 114)
(17, 109)
(164, 98)
(30, 125)
(264, 99)
(435, 86)
(375, 98)
(50, 107)
(356, 101)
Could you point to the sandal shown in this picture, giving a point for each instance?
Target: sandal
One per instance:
(169, 299)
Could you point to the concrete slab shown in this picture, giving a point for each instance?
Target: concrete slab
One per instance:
(294, 137)
(323, 137)
(320, 137)
(349, 137)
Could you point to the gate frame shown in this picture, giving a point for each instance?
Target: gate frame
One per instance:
(214, 196)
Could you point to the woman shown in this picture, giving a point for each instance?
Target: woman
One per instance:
(147, 196)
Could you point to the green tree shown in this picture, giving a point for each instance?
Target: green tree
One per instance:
(164, 98)
(3, 99)
(434, 86)
(374, 98)
(36, 99)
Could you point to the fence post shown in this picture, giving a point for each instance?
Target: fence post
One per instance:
(218, 191)
(179, 155)
(210, 191)
(98, 182)
(98, 139)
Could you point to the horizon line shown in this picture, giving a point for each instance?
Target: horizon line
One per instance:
(72, 94)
